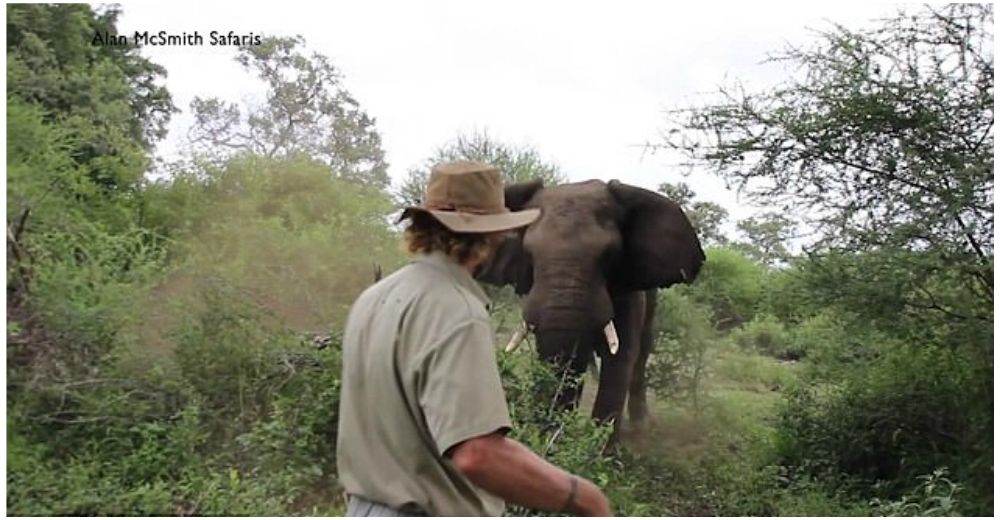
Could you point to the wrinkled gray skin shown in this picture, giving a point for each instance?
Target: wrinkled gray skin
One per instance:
(598, 252)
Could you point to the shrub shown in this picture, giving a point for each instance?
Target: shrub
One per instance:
(229, 351)
(935, 495)
(750, 371)
(294, 238)
(898, 417)
(823, 337)
(569, 439)
(730, 284)
(741, 489)
(682, 335)
(237, 417)
(835, 343)
(119, 467)
(787, 293)
(292, 451)
(86, 282)
(766, 335)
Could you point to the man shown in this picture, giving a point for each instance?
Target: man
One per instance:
(423, 415)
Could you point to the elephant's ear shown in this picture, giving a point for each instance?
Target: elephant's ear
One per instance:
(659, 245)
(516, 196)
(510, 264)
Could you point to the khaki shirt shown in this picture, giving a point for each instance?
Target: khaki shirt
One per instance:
(419, 377)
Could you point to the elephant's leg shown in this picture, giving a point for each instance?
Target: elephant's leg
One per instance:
(638, 409)
(613, 389)
(617, 369)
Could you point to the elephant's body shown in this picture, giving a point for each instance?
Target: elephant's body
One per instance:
(597, 254)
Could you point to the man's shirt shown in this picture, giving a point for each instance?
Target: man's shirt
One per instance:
(419, 377)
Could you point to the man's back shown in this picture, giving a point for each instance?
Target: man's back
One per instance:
(418, 376)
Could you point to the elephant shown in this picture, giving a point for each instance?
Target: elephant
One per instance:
(587, 271)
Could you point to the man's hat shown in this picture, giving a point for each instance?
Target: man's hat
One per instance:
(467, 197)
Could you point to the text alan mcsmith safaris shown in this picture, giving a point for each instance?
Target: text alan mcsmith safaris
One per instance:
(140, 38)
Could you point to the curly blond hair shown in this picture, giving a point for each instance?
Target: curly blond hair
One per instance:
(425, 234)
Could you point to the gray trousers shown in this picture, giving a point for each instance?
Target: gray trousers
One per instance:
(357, 506)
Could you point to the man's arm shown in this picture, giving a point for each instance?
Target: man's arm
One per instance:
(514, 473)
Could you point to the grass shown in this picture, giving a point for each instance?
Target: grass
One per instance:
(716, 458)
(736, 400)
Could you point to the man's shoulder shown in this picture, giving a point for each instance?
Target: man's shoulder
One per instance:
(373, 297)
(406, 277)
(425, 292)
(416, 281)
(462, 303)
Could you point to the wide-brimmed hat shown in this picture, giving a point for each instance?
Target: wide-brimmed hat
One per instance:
(467, 197)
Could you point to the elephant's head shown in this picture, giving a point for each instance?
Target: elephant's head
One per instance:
(592, 241)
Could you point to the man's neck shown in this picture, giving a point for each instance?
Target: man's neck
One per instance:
(471, 266)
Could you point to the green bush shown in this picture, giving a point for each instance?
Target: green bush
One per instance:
(86, 282)
(49, 187)
(295, 239)
(900, 416)
(119, 467)
(682, 334)
(238, 416)
(229, 351)
(292, 451)
(569, 439)
(750, 371)
(787, 293)
(731, 285)
(909, 295)
(935, 495)
(741, 489)
(766, 335)
(835, 343)
(823, 337)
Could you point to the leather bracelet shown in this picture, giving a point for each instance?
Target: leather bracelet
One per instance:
(574, 484)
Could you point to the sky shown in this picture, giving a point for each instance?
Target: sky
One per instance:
(585, 84)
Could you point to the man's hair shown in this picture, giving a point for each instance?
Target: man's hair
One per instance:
(425, 235)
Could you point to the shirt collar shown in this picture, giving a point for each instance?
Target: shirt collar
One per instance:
(462, 276)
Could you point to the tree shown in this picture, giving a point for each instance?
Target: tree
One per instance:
(884, 140)
(680, 193)
(82, 120)
(706, 217)
(106, 98)
(518, 164)
(766, 236)
(308, 110)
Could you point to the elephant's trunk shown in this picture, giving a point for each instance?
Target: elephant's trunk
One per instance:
(565, 302)
(571, 353)
(522, 330)
(561, 346)
(568, 306)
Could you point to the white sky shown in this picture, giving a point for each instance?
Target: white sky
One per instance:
(586, 84)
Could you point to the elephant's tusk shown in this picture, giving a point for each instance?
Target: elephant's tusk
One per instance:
(611, 336)
(517, 338)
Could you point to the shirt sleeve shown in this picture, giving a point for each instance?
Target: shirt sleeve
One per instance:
(460, 391)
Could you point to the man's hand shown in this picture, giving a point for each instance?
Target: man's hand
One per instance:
(591, 501)
(511, 471)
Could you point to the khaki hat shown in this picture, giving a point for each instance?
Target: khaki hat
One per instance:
(467, 197)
